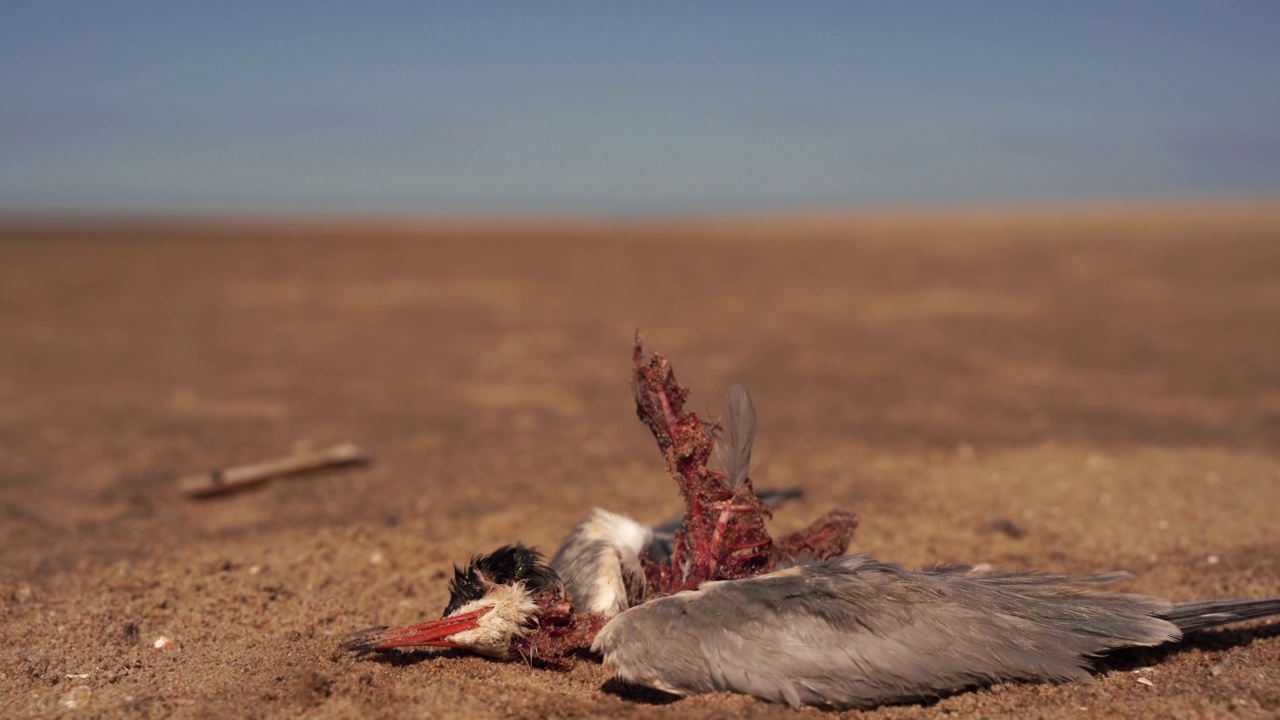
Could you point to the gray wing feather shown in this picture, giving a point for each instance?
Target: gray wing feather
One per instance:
(853, 632)
(740, 424)
(1193, 616)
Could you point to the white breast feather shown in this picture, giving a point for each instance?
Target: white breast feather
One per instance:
(511, 607)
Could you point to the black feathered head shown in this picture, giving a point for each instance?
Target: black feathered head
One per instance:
(507, 565)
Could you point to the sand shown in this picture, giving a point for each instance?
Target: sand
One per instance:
(1066, 391)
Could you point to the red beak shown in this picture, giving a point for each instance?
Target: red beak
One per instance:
(429, 634)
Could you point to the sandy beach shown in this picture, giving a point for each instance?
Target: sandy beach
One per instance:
(1062, 390)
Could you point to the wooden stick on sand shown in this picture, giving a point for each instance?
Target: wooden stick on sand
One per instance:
(229, 480)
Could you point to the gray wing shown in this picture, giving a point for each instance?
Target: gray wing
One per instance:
(852, 632)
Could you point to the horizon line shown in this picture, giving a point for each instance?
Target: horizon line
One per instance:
(1198, 203)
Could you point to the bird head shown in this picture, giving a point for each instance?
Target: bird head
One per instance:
(495, 602)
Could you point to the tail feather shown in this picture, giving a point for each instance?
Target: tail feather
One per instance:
(1193, 616)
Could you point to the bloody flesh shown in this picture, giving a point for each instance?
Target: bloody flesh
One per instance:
(723, 536)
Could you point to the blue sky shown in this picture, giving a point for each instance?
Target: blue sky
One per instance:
(631, 108)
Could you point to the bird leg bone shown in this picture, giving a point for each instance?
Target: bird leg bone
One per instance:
(727, 509)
